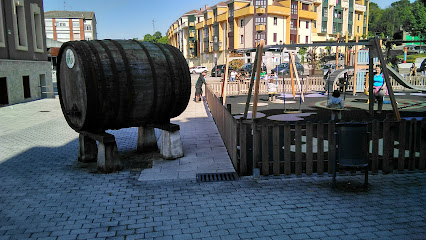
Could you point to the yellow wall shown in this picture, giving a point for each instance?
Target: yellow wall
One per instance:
(281, 11)
(244, 12)
(199, 25)
(307, 15)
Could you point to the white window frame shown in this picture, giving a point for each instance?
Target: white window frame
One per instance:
(37, 28)
(23, 25)
(2, 38)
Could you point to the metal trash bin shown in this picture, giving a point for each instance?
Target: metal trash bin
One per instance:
(352, 145)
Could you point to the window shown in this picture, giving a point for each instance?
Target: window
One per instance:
(293, 24)
(62, 24)
(2, 40)
(260, 21)
(241, 22)
(275, 37)
(87, 27)
(26, 86)
(306, 39)
(275, 20)
(315, 24)
(76, 24)
(293, 7)
(242, 39)
(357, 29)
(359, 17)
(305, 7)
(20, 26)
(325, 12)
(36, 28)
(260, 3)
(307, 24)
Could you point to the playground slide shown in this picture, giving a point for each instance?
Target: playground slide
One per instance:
(393, 73)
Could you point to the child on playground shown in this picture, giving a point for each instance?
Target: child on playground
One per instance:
(272, 89)
(337, 103)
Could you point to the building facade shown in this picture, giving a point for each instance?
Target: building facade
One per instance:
(64, 26)
(25, 73)
(241, 24)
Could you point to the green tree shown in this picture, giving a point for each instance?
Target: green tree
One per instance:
(374, 21)
(147, 38)
(157, 36)
(164, 40)
(417, 25)
(302, 52)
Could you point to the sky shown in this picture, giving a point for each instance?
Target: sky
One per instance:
(126, 19)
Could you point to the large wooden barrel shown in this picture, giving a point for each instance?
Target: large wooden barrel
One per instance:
(113, 84)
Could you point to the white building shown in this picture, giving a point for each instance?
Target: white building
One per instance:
(66, 26)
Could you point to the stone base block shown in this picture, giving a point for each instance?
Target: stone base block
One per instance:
(87, 149)
(147, 142)
(108, 160)
(171, 145)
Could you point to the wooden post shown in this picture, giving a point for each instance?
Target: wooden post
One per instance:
(402, 143)
(298, 143)
(243, 149)
(290, 65)
(371, 79)
(320, 157)
(276, 148)
(297, 78)
(225, 81)
(265, 150)
(287, 147)
(337, 52)
(387, 146)
(253, 72)
(412, 144)
(387, 79)
(422, 144)
(331, 145)
(309, 152)
(355, 66)
(257, 83)
(375, 149)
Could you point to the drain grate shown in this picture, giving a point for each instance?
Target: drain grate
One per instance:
(217, 177)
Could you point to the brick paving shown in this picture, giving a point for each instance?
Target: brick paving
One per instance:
(46, 194)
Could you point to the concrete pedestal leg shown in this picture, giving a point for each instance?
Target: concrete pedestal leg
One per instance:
(87, 149)
(108, 160)
(171, 145)
(147, 142)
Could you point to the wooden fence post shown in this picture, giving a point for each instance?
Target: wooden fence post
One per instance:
(309, 153)
(401, 148)
(320, 147)
(375, 147)
(412, 144)
(243, 148)
(422, 143)
(276, 147)
(387, 146)
(256, 144)
(265, 150)
(331, 145)
(298, 143)
(287, 148)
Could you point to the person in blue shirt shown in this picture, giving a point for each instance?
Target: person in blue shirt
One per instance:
(379, 87)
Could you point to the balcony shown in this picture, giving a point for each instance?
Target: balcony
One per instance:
(192, 24)
(192, 35)
(210, 21)
(281, 11)
(260, 28)
(244, 12)
(360, 8)
(222, 17)
(199, 25)
(260, 10)
(307, 15)
(317, 1)
(191, 45)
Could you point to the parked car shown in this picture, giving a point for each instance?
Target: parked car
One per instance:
(422, 66)
(283, 69)
(220, 70)
(414, 49)
(248, 67)
(199, 69)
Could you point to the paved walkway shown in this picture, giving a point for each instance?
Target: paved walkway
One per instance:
(46, 194)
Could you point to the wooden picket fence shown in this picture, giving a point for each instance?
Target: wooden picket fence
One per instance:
(307, 148)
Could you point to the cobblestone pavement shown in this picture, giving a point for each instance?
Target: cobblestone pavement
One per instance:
(46, 194)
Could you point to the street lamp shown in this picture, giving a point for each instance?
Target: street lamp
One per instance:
(215, 54)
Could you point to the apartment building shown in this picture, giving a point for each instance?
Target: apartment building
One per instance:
(241, 24)
(64, 26)
(25, 73)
